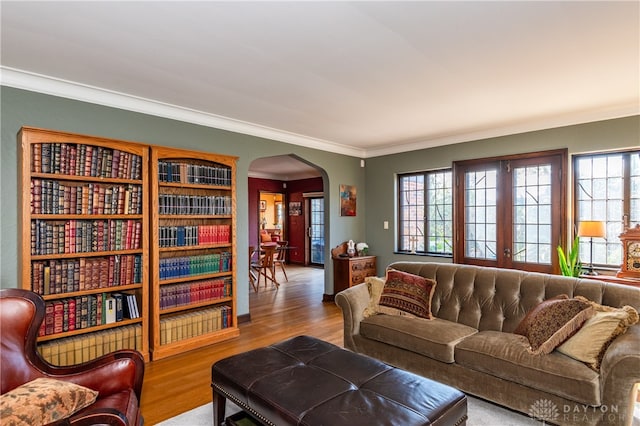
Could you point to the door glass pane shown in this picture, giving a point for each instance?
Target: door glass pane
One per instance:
(480, 217)
(531, 211)
(317, 231)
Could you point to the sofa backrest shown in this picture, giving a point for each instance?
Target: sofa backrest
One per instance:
(497, 299)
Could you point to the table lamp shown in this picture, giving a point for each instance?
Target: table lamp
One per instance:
(591, 229)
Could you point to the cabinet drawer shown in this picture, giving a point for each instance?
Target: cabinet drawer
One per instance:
(358, 277)
(363, 265)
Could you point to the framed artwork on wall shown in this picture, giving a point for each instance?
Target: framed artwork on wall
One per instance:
(263, 205)
(295, 208)
(347, 200)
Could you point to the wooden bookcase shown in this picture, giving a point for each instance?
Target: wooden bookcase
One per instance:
(84, 238)
(193, 250)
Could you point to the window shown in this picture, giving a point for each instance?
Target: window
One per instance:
(509, 210)
(607, 188)
(426, 212)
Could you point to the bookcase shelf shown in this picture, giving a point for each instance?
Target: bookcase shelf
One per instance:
(79, 197)
(193, 277)
(91, 329)
(193, 250)
(196, 305)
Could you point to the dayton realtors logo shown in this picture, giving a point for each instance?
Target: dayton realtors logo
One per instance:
(546, 411)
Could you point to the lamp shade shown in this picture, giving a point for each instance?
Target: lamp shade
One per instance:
(591, 228)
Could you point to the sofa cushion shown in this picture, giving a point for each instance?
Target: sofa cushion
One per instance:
(44, 400)
(433, 338)
(591, 342)
(505, 355)
(553, 321)
(407, 292)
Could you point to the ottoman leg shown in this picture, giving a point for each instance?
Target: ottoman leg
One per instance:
(219, 402)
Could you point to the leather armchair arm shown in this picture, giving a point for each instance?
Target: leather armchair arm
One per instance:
(108, 374)
(352, 301)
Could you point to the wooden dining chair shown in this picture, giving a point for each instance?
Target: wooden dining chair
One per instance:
(253, 271)
(264, 265)
(280, 258)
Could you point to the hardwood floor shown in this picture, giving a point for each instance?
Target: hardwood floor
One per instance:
(177, 384)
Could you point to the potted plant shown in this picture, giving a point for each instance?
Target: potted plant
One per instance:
(570, 264)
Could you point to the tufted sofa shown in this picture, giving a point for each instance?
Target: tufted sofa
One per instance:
(470, 345)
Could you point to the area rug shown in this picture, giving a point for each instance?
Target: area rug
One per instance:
(481, 413)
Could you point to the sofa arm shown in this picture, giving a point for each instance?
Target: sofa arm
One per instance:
(620, 372)
(352, 301)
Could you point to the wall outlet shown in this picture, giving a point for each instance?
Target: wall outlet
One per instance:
(385, 224)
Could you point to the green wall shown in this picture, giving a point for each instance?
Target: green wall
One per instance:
(381, 171)
(375, 183)
(24, 108)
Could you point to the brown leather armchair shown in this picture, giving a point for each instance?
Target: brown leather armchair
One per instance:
(116, 376)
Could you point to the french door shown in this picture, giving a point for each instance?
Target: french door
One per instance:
(315, 231)
(510, 211)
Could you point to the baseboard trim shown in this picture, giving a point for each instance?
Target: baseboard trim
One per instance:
(328, 297)
(242, 319)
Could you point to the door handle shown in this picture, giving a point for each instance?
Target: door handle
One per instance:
(507, 252)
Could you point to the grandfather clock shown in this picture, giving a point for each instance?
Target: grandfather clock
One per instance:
(631, 253)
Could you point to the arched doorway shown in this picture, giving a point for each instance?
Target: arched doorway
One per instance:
(279, 190)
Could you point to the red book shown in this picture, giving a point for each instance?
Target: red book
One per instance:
(48, 318)
(72, 314)
(58, 316)
(73, 152)
(110, 275)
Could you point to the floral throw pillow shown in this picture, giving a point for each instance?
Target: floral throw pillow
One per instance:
(408, 293)
(552, 322)
(42, 401)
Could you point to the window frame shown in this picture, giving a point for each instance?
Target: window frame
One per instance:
(624, 222)
(426, 223)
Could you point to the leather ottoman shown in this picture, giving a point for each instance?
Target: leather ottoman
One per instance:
(306, 381)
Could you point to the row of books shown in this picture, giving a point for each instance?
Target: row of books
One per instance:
(76, 313)
(54, 197)
(85, 160)
(194, 173)
(187, 266)
(178, 236)
(84, 348)
(192, 324)
(59, 276)
(211, 205)
(82, 236)
(175, 295)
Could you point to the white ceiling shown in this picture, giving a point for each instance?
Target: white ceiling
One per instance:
(359, 78)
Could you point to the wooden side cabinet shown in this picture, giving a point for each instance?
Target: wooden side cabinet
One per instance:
(349, 271)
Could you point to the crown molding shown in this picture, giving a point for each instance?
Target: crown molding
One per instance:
(608, 113)
(24, 80)
(33, 82)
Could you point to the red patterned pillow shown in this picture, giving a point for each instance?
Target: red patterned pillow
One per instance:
(552, 322)
(408, 293)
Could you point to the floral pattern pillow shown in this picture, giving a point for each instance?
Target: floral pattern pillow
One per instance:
(552, 322)
(42, 401)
